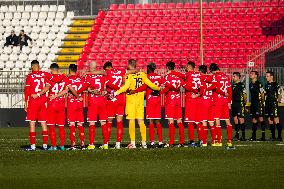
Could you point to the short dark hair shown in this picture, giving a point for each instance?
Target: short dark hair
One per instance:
(107, 64)
(271, 73)
(237, 74)
(171, 65)
(73, 67)
(202, 69)
(22, 31)
(54, 66)
(151, 66)
(132, 62)
(192, 64)
(34, 62)
(255, 72)
(214, 67)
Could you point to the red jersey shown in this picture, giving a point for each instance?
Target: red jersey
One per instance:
(206, 89)
(58, 82)
(77, 83)
(115, 79)
(174, 83)
(95, 82)
(35, 82)
(223, 85)
(193, 81)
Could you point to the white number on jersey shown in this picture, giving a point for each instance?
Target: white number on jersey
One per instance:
(57, 88)
(37, 88)
(196, 82)
(118, 79)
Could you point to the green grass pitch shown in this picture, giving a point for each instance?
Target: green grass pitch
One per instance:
(252, 165)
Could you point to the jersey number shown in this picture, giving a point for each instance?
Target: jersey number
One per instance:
(196, 82)
(224, 86)
(38, 85)
(58, 88)
(118, 80)
(138, 82)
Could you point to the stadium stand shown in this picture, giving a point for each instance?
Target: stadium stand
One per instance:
(162, 32)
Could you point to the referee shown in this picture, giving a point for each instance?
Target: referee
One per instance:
(256, 107)
(272, 97)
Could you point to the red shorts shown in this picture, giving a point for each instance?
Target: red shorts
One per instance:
(192, 106)
(173, 110)
(117, 107)
(206, 112)
(97, 109)
(75, 111)
(221, 111)
(56, 113)
(36, 110)
(153, 109)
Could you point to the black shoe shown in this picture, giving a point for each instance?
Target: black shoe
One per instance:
(180, 145)
(242, 139)
(252, 139)
(169, 146)
(262, 139)
(161, 145)
(152, 145)
(82, 148)
(272, 139)
(191, 144)
(199, 143)
(280, 139)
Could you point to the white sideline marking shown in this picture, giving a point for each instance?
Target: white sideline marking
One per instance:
(243, 145)
(14, 139)
(281, 144)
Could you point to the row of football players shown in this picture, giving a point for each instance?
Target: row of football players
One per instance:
(205, 95)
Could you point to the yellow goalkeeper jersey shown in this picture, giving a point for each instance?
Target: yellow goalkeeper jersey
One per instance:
(135, 103)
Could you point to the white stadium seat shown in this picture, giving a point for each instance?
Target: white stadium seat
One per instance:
(2, 16)
(9, 15)
(32, 57)
(40, 22)
(4, 57)
(45, 29)
(58, 22)
(26, 50)
(40, 42)
(15, 22)
(6, 22)
(57, 42)
(70, 14)
(54, 50)
(10, 64)
(44, 8)
(48, 42)
(27, 64)
(34, 36)
(51, 56)
(55, 29)
(16, 49)
(12, 8)
(20, 8)
(53, 8)
(32, 22)
(26, 15)
(4, 8)
(51, 35)
(60, 35)
(45, 49)
(42, 36)
(51, 15)
(60, 15)
(28, 8)
(49, 22)
(42, 15)
(13, 57)
(17, 15)
(8, 50)
(36, 29)
(19, 64)
(41, 57)
(28, 29)
(36, 8)
(61, 8)
(35, 50)
(67, 21)
(24, 22)
(34, 15)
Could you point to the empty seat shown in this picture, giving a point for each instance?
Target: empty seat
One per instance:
(28, 8)
(12, 8)
(42, 15)
(36, 8)
(53, 8)
(61, 8)
(44, 8)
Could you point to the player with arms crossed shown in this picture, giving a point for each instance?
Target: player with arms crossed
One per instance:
(238, 105)
(272, 97)
(256, 107)
(222, 104)
(173, 107)
(135, 102)
(153, 105)
(35, 103)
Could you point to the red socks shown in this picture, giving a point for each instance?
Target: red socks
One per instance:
(45, 137)
(151, 133)
(119, 132)
(191, 131)
(108, 125)
(200, 131)
(32, 137)
(72, 134)
(181, 133)
(172, 133)
(81, 135)
(105, 133)
(62, 135)
(229, 133)
(92, 131)
(205, 134)
(52, 135)
(160, 132)
(213, 134)
(219, 133)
